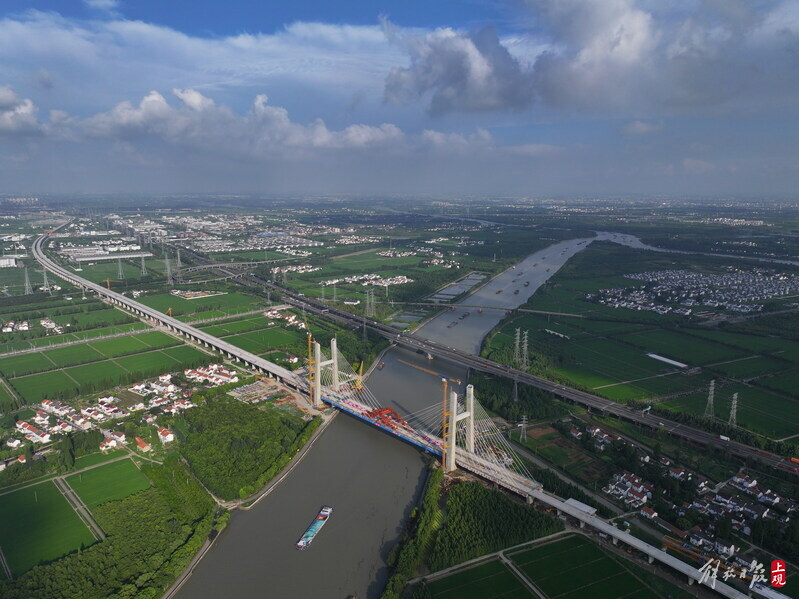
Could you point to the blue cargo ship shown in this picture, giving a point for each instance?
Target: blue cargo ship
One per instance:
(314, 528)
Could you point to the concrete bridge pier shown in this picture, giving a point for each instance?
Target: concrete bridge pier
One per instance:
(690, 581)
(651, 559)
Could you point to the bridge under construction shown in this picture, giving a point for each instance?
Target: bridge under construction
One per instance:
(458, 430)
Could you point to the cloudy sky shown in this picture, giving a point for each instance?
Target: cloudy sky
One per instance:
(466, 97)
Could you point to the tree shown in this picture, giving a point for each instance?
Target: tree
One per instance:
(67, 446)
(724, 527)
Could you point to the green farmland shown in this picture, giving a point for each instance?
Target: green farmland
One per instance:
(105, 373)
(487, 581)
(574, 567)
(108, 483)
(232, 302)
(605, 353)
(43, 527)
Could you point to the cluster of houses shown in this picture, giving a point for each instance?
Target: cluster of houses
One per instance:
(293, 252)
(288, 318)
(601, 438)
(213, 374)
(396, 253)
(369, 279)
(442, 262)
(295, 268)
(629, 488)
(680, 291)
(12, 326)
(118, 439)
(51, 327)
(357, 240)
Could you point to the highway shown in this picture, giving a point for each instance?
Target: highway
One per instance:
(472, 462)
(583, 398)
(249, 359)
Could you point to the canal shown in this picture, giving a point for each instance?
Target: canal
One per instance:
(371, 479)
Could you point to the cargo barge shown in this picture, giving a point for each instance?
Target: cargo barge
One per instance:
(320, 520)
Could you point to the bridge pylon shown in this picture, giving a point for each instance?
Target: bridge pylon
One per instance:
(317, 364)
(450, 440)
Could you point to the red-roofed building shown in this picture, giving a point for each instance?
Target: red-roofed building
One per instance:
(165, 435)
(142, 445)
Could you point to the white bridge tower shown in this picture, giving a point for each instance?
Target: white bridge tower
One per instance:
(450, 439)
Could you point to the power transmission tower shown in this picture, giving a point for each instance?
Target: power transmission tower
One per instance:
(178, 274)
(178, 263)
(120, 272)
(169, 279)
(46, 283)
(28, 287)
(323, 293)
(364, 328)
(370, 303)
(334, 292)
(143, 268)
(516, 343)
(516, 390)
(525, 356)
(734, 410)
(83, 293)
(523, 428)
(710, 411)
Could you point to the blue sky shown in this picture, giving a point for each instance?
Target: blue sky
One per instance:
(475, 97)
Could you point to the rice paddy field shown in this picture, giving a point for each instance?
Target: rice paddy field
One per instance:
(487, 581)
(574, 567)
(108, 483)
(44, 527)
(606, 352)
(571, 567)
(148, 357)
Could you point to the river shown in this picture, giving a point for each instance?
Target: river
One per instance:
(372, 480)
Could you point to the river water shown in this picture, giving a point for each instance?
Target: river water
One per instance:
(371, 479)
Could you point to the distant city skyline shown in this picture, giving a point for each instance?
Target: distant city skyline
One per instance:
(477, 97)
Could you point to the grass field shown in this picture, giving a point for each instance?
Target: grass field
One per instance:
(487, 581)
(43, 527)
(574, 567)
(108, 483)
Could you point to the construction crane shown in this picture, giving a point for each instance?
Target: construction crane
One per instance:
(109, 281)
(433, 372)
(445, 432)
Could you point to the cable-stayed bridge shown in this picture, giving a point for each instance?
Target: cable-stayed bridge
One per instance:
(458, 429)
